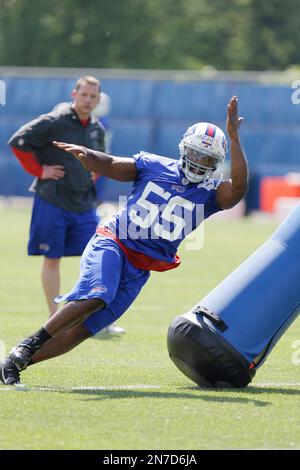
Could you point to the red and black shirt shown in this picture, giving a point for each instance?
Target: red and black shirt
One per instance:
(32, 144)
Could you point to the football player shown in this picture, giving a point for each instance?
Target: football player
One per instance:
(169, 199)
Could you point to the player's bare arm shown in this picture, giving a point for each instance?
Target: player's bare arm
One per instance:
(117, 168)
(230, 192)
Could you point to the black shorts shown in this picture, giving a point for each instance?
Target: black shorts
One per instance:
(205, 356)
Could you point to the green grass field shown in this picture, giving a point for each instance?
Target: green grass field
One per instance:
(125, 393)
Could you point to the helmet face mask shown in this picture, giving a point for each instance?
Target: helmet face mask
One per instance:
(202, 151)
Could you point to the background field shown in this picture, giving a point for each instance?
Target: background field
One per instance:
(125, 393)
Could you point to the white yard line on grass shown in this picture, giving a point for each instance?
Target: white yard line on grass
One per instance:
(77, 389)
(276, 384)
(134, 387)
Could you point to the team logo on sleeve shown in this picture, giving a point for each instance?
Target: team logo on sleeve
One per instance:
(99, 289)
(179, 189)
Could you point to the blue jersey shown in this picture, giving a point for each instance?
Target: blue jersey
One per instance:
(163, 208)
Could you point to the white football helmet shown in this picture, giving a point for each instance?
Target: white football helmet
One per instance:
(202, 151)
(103, 107)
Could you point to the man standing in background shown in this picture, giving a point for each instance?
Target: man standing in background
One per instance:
(64, 213)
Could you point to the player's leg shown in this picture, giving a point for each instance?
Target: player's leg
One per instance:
(50, 277)
(130, 284)
(70, 315)
(61, 344)
(101, 267)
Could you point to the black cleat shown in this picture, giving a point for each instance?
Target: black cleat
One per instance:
(9, 374)
(22, 353)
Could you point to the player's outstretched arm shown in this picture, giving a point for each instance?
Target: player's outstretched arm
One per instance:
(117, 168)
(230, 192)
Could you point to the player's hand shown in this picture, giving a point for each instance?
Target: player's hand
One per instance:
(80, 152)
(233, 120)
(94, 176)
(53, 172)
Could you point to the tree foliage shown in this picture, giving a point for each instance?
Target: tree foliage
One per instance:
(164, 34)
